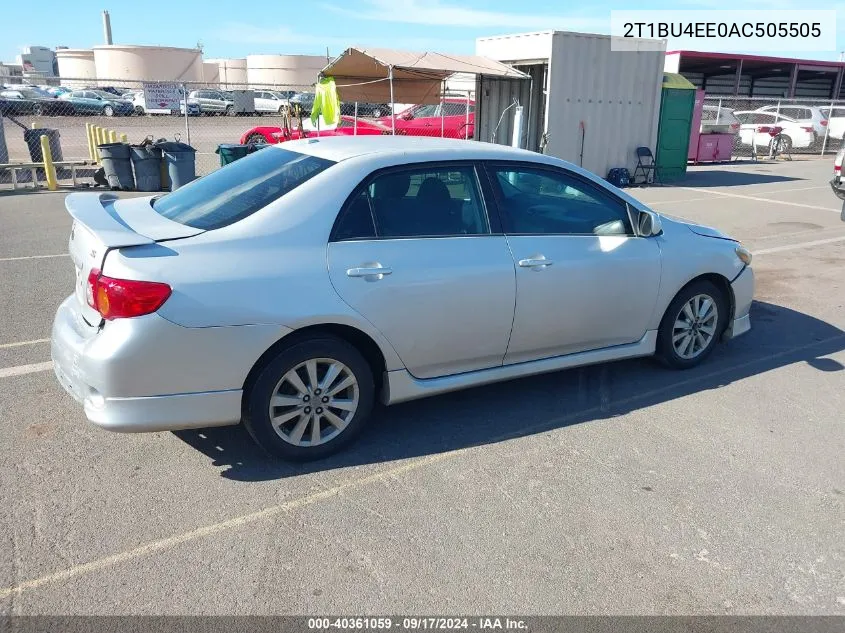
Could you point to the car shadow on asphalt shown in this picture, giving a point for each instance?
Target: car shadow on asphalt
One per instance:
(727, 178)
(496, 413)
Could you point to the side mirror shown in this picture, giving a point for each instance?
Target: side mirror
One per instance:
(648, 224)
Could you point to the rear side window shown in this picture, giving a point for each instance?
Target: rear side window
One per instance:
(238, 190)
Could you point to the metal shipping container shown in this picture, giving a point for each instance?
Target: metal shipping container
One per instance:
(598, 107)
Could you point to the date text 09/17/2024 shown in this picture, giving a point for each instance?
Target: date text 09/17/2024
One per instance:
(416, 623)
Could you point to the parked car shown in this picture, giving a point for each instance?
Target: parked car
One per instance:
(96, 102)
(269, 101)
(213, 101)
(375, 110)
(28, 101)
(428, 119)
(835, 122)
(806, 115)
(717, 120)
(140, 106)
(411, 279)
(756, 126)
(345, 127)
(302, 101)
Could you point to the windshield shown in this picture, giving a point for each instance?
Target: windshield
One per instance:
(238, 190)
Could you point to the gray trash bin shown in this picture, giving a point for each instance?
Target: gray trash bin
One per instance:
(117, 165)
(32, 138)
(181, 162)
(146, 160)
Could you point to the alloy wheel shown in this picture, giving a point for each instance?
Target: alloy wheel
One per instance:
(314, 402)
(695, 326)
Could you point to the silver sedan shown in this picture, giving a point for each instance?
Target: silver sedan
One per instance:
(291, 289)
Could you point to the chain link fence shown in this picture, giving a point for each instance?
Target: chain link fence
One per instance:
(764, 127)
(209, 115)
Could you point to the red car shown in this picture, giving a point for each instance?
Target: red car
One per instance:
(346, 127)
(426, 120)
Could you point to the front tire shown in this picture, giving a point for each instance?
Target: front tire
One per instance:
(692, 325)
(108, 111)
(229, 111)
(311, 400)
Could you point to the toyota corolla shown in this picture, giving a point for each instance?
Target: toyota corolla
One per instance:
(291, 290)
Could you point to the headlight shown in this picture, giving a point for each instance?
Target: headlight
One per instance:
(744, 255)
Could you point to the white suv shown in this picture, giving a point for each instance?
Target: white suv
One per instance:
(804, 114)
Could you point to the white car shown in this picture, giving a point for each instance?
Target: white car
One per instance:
(835, 122)
(756, 125)
(292, 288)
(270, 101)
(812, 116)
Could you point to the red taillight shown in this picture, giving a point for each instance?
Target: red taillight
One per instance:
(837, 168)
(124, 298)
(824, 121)
(807, 129)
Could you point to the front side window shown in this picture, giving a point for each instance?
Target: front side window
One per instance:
(422, 201)
(426, 110)
(540, 201)
(235, 192)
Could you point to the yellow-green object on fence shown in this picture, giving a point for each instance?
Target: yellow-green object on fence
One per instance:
(326, 103)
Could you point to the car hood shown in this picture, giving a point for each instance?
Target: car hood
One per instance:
(698, 229)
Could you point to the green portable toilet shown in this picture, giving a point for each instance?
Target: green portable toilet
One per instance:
(673, 129)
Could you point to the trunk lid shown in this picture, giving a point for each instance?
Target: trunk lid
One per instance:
(102, 222)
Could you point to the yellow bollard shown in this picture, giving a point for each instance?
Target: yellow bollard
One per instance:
(112, 136)
(124, 138)
(98, 140)
(92, 147)
(49, 167)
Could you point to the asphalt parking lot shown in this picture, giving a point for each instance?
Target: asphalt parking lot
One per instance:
(622, 488)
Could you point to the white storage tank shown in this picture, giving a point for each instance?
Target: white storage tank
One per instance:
(599, 106)
(294, 72)
(129, 65)
(231, 73)
(211, 74)
(76, 66)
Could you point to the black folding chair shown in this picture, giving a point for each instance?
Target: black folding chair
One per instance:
(646, 168)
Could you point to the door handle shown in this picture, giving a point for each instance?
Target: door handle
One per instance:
(538, 262)
(369, 271)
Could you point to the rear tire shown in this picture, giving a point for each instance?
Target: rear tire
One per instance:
(286, 389)
(230, 111)
(687, 336)
(108, 111)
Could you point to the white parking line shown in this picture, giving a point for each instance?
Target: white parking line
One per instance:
(386, 475)
(758, 199)
(20, 370)
(16, 259)
(793, 247)
(795, 189)
(22, 343)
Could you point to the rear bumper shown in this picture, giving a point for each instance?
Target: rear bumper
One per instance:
(743, 289)
(838, 188)
(148, 374)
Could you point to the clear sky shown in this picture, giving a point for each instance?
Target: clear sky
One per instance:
(236, 28)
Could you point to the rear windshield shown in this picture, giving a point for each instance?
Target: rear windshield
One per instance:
(238, 190)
